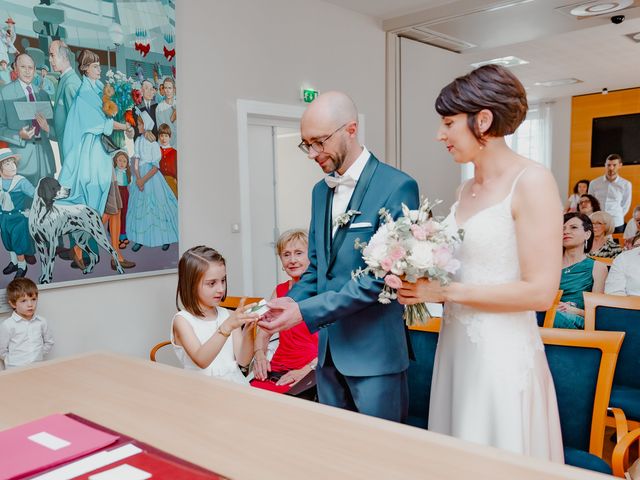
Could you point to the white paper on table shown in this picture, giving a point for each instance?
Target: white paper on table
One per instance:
(50, 441)
(28, 110)
(122, 472)
(90, 463)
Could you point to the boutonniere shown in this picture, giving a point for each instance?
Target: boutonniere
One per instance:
(344, 218)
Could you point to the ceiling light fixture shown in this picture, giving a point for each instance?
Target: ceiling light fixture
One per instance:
(560, 82)
(591, 9)
(509, 61)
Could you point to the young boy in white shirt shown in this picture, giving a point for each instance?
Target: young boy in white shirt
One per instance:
(24, 336)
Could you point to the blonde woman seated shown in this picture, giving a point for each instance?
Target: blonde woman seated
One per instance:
(297, 352)
(579, 272)
(603, 244)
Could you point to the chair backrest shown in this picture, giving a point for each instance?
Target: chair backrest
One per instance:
(232, 302)
(550, 314)
(618, 237)
(156, 347)
(582, 364)
(424, 339)
(620, 314)
(606, 260)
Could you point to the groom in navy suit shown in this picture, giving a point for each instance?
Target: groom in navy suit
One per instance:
(363, 352)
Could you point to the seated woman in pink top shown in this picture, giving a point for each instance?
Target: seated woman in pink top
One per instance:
(297, 353)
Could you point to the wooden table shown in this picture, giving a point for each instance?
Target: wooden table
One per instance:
(247, 433)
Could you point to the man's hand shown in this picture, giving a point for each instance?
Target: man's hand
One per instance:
(27, 133)
(283, 314)
(42, 122)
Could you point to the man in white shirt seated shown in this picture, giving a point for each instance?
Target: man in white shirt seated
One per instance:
(624, 275)
(612, 191)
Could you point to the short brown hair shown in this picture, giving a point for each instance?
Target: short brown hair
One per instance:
(290, 236)
(20, 287)
(191, 267)
(490, 87)
(614, 156)
(86, 58)
(164, 128)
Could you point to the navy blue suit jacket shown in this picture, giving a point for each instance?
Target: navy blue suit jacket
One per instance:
(366, 338)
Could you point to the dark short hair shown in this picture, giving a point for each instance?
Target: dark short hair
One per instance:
(614, 156)
(595, 203)
(86, 58)
(164, 128)
(191, 267)
(586, 224)
(21, 287)
(490, 87)
(585, 181)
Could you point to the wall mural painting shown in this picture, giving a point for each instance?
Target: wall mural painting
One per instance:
(88, 139)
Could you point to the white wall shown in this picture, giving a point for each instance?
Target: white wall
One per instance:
(226, 50)
(561, 143)
(424, 71)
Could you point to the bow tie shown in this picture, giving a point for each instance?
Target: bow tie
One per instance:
(345, 180)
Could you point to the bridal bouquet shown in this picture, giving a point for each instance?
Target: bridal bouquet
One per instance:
(414, 246)
(122, 86)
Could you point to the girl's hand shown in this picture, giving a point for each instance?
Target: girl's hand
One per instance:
(261, 366)
(292, 377)
(241, 316)
(420, 292)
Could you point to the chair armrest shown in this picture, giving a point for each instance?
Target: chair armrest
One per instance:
(619, 457)
(621, 422)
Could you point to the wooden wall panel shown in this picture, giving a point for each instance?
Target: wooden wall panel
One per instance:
(584, 109)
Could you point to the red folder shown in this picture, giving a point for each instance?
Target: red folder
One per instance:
(71, 439)
(160, 468)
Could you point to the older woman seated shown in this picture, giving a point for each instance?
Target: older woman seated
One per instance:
(603, 244)
(297, 353)
(624, 276)
(579, 272)
(588, 204)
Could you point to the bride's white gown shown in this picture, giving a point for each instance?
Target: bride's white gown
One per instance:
(491, 381)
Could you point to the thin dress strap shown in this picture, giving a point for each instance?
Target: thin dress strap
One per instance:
(515, 181)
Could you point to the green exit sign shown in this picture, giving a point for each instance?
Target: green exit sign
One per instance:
(309, 95)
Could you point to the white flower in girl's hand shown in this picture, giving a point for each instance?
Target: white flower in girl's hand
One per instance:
(344, 218)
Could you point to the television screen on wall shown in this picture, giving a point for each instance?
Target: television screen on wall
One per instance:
(618, 134)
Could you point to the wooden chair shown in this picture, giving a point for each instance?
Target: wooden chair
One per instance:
(622, 314)
(424, 339)
(156, 347)
(618, 237)
(606, 260)
(550, 314)
(582, 364)
(620, 456)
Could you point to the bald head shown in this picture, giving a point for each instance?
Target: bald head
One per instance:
(331, 109)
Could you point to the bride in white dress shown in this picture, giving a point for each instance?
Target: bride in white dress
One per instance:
(491, 381)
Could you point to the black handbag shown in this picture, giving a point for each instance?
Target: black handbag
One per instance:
(108, 144)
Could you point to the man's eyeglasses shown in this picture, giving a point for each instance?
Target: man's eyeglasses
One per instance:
(318, 147)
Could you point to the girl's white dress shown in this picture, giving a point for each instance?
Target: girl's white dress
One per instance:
(224, 365)
(491, 381)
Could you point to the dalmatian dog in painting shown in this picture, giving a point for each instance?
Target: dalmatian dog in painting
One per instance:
(48, 222)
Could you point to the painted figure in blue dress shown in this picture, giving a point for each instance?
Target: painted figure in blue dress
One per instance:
(16, 194)
(152, 217)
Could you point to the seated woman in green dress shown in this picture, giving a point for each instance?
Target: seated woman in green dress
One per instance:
(579, 272)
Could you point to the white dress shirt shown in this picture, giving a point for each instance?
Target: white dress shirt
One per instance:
(614, 197)
(624, 275)
(24, 341)
(342, 193)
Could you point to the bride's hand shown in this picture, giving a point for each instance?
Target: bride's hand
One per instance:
(423, 291)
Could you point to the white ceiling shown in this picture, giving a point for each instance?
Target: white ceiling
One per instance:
(556, 44)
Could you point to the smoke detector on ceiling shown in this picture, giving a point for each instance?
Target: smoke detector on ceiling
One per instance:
(591, 9)
(634, 36)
